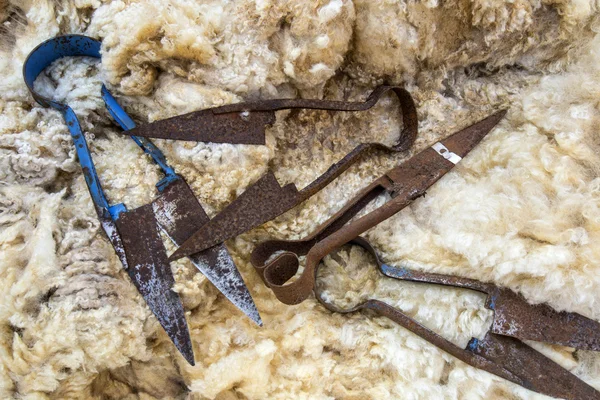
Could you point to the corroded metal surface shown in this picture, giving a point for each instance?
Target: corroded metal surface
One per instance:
(241, 123)
(179, 213)
(266, 199)
(538, 372)
(405, 183)
(505, 356)
(206, 126)
(149, 269)
(513, 316)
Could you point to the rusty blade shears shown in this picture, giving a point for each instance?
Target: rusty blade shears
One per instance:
(133, 233)
(266, 198)
(501, 351)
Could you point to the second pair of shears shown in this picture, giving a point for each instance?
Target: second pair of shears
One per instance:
(501, 351)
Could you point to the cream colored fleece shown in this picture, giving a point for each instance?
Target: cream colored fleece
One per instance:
(523, 210)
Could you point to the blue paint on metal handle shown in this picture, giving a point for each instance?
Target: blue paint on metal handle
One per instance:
(149, 148)
(393, 272)
(78, 45)
(85, 158)
(473, 345)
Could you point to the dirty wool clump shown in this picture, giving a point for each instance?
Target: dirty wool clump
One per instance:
(523, 210)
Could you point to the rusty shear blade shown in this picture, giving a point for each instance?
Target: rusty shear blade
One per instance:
(537, 372)
(150, 271)
(502, 356)
(405, 183)
(266, 199)
(240, 123)
(179, 213)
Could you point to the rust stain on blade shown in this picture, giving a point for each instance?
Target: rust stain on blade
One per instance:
(150, 271)
(179, 213)
(267, 199)
(205, 126)
(262, 201)
(537, 372)
(513, 316)
(406, 182)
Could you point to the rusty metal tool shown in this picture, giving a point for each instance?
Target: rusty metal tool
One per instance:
(501, 351)
(266, 199)
(134, 234)
(404, 183)
(244, 123)
(178, 212)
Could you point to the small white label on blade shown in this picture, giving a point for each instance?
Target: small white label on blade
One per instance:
(447, 154)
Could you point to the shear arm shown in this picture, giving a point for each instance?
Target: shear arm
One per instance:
(406, 139)
(464, 355)
(311, 104)
(126, 122)
(39, 59)
(502, 356)
(262, 255)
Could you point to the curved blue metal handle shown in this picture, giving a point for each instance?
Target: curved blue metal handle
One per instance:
(78, 45)
(149, 148)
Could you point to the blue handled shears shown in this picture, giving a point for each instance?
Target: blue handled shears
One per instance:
(134, 233)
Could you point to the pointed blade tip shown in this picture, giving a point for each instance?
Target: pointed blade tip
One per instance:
(500, 114)
(182, 342)
(187, 355)
(256, 319)
(185, 349)
(190, 359)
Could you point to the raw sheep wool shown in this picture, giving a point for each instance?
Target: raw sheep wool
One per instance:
(521, 211)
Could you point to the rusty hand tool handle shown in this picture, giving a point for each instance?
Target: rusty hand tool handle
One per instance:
(276, 270)
(406, 274)
(464, 355)
(297, 291)
(311, 104)
(405, 140)
(410, 275)
(267, 199)
(383, 309)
